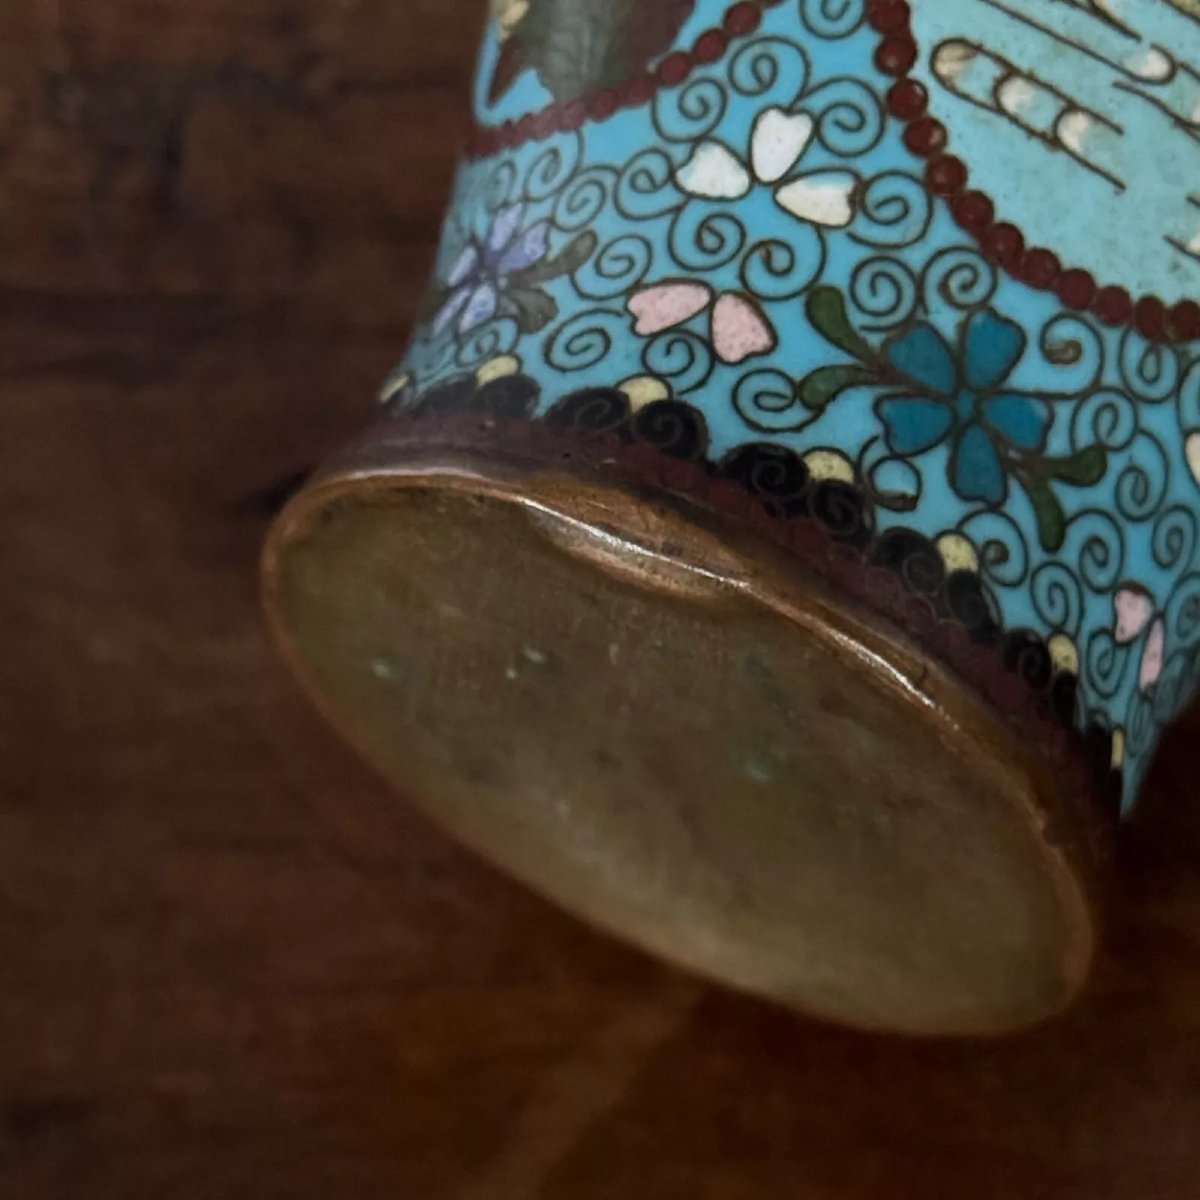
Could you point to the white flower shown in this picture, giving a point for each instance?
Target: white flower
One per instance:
(777, 144)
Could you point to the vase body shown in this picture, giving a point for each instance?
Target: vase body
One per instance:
(878, 318)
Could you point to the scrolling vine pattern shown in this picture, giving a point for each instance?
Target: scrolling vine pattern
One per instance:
(759, 243)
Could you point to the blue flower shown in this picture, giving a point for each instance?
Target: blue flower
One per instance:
(956, 394)
(480, 273)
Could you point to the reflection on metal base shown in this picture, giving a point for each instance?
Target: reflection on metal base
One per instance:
(675, 732)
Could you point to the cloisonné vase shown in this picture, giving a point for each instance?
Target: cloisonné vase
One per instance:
(779, 543)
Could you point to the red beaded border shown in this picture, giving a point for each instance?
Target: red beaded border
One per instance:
(741, 19)
(1002, 241)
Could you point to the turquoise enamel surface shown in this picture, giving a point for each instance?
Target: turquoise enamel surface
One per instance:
(751, 227)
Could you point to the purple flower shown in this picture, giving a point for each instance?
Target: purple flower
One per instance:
(480, 273)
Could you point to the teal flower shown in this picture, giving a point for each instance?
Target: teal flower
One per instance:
(958, 395)
(935, 393)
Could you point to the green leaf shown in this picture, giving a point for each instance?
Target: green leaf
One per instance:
(574, 45)
(533, 308)
(827, 312)
(1052, 522)
(1082, 469)
(579, 47)
(570, 258)
(817, 389)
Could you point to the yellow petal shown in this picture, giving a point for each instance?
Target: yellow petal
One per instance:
(643, 390)
(958, 552)
(1064, 654)
(829, 465)
(497, 368)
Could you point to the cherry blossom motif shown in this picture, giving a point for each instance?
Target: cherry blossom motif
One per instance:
(1153, 655)
(1132, 609)
(778, 142)
(1192, 452)
(665, 305)
(740, 329)
(1133, 612)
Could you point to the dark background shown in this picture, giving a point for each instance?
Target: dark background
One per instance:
(231, 963)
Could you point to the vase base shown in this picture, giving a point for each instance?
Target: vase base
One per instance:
(686, 739)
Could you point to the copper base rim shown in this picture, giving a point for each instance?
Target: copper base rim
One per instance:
(674, 557)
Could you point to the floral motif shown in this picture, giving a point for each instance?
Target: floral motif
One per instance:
(500, 274)
(938, 393)
(778, 143)
(959, 396)
(1133, 614)
(740, 328)
(1050, 448)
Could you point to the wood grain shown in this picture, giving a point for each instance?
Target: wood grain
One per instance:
(232, 964)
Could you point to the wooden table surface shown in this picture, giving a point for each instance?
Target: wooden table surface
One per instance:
(232, 964)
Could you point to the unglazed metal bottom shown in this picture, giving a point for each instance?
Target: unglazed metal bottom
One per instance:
(677, 732)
